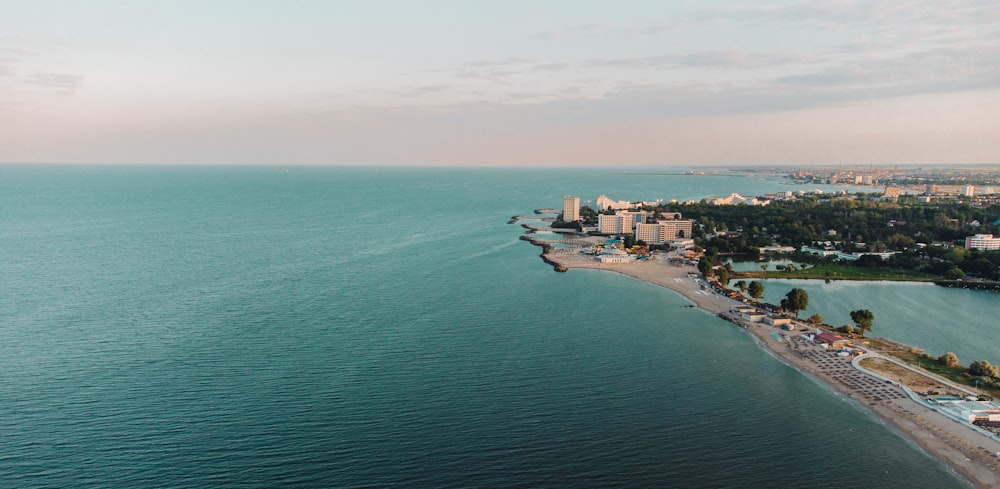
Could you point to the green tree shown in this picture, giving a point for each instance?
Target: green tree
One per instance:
(954, 274)
(723, 276)
(795, 300)
(863, 318)
(705, 266)
(815, 319)
(948, 359)
(756, 290)
(899, 241)
(983, 368)
(955, 254)
(742, 285)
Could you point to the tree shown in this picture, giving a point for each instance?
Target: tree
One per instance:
(948, 359)
(742, 285)
(954, 274)
(982, 368)
(756, 290)
(705, 266)
(863, 318)
(815, 319)
(795, 300)
(723, 276)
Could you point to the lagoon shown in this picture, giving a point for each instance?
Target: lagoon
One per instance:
(936, 319)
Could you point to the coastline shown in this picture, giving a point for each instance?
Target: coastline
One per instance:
(968, 453)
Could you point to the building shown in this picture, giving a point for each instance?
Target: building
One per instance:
(571, 209)
(664, 231)
(968, 190)
(604, 203)
(614, 255)
(891, 193)
(777, 321)
(982, 242)
(835, 341)
(736, 199)
(622, 222)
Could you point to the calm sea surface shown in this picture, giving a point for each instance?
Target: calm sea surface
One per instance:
(318, 327)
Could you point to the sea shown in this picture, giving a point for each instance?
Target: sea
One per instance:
(362, 327)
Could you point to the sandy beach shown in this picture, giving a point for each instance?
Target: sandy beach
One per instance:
(973, 456)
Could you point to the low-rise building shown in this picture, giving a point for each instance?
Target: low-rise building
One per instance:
(834, 341)
(614, 255)
(777, 249)
(777, 320)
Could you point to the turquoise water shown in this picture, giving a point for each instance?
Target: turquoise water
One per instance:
(317, 327)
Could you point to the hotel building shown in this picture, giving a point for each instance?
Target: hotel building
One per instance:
(571, 209)
(982, 242)
(622, 222)
(663, 231)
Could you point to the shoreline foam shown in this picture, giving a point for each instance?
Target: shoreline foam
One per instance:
(967, 453)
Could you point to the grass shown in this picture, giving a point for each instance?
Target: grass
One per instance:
(958, 375)
(840, 272)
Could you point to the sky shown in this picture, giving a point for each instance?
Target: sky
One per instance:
(500, 83)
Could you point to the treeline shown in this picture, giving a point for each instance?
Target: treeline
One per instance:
(881, 226)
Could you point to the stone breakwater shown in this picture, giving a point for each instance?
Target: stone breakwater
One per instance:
(546, 251)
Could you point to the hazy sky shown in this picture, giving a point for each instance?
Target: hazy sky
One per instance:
(514, 82)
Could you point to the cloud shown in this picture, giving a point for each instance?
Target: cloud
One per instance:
(608, 30)
(426, 89)
(18, 52)
(731, 59)
(929, 71)
(65, 83)
(550, 67)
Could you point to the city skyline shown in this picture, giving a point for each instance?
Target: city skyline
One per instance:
(500, 83)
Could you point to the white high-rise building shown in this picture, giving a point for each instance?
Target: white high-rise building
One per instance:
(622, 222)
(664, 231)
(604, 203)
(982, 242)
(968, 190)
(571, 209)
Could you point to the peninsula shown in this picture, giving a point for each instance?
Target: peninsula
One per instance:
(919, 405)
